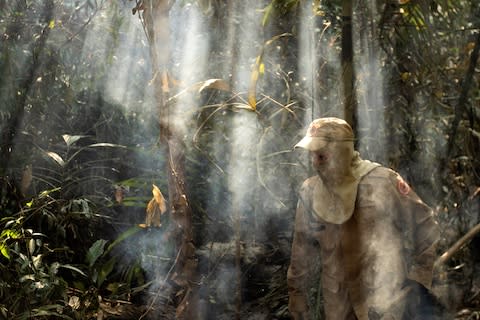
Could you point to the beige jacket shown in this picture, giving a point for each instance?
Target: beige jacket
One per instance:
(365, 261)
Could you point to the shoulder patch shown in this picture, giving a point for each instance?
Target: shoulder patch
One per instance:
(402, 186)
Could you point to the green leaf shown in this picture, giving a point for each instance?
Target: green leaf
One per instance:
(79, 285)
(140, 202)
(53, 310)
(113, 287)
(104, 144)
(95, 145)
(4, 250)
(10, 234)
(134, 182)
(56, 158)
(39, 234)
(267, 13)
(37, 260)
(69, 140)
(95, 251)
(105, 271)
(70, 267)
(9, 220)
(30, 277)
(31, 246)
(126, 234)
(45, 193)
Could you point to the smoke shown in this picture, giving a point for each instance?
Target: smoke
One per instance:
(369, 86)
(243, 158)
(259, 177)
(318, 64)
(190, 49)
(130, 68)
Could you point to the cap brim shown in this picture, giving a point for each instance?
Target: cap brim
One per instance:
(311, 143)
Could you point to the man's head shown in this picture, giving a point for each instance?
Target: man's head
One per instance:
(330, 142)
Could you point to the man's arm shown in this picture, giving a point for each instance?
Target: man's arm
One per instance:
(422, 234)
(303, 252)
(425, 235)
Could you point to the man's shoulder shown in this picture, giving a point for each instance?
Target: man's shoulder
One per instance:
(378, 182)
(380, 174)
(309, 184)
(384, 180)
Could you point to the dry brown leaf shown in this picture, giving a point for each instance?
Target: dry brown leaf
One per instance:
(218, 84)
(252, 91)
(155, 208)
(119, 194)
(152, 218)
(159, 199)
(259, 70)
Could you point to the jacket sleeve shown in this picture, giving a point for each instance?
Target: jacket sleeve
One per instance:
(303, 254)
(421, 234)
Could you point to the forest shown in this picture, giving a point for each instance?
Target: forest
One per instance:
(147, 168)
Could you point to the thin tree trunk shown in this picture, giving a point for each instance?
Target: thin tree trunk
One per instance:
(234, 45)
(348, 74)
(156, 19)
(238, 266)
(463, 100)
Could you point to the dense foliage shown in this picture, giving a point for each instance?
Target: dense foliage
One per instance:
(80, 144)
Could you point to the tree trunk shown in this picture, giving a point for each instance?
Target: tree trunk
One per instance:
(348, 74)
(462, 105)
(9, 131)
(156, 19)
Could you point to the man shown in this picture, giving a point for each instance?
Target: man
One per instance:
(375, 237)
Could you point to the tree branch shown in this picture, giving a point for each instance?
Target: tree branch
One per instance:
(457, 246)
